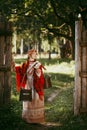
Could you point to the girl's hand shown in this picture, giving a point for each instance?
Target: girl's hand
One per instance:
(38, 71)
(37, 65)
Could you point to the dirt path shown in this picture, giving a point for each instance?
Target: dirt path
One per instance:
(53, 95)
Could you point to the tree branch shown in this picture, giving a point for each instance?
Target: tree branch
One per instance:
(55, 12)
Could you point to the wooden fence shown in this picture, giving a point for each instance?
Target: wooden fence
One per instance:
(80, 91)
(5, 61)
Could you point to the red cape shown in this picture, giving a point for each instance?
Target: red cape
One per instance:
(38, 82)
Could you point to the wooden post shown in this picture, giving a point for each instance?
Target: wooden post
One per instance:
(1, 61)
(77, 89)
(80, 92)
(5, 61)
(83, 72)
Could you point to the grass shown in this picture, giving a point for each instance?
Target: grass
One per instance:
(58, 112)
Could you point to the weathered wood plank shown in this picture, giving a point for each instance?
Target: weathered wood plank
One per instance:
(77, 89)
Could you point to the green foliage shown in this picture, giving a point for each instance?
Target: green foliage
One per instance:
(48, 14)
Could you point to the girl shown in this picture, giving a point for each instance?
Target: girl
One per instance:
(33, 111)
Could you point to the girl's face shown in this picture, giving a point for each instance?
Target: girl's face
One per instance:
(33, 55)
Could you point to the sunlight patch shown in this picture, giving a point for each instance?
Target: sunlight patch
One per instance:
(52, 124)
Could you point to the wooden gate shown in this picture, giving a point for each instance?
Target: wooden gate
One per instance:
(5, 61)
(80, 92)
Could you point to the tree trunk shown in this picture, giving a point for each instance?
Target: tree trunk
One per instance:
(72, 34)
(49, 50)
(14, 42)
(21, 47)
(73, 48)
